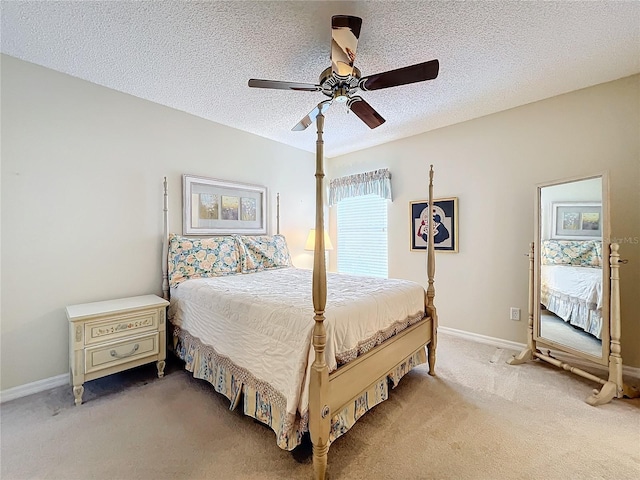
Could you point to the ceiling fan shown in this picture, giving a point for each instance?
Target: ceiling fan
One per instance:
(342, 80)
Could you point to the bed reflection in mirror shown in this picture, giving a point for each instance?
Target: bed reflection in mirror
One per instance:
(571, 265)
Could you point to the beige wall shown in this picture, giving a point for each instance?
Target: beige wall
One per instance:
(82, 170)
(492, 164)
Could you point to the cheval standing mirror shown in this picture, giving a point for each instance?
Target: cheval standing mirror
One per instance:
(574, 304)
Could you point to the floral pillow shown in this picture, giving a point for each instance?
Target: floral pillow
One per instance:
(265, 251)
(201, 257)
(578, 253)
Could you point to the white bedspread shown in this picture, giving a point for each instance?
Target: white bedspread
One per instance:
(263, 321)
(581, 283)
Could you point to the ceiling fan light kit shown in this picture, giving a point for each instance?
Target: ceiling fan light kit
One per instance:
(341, 81)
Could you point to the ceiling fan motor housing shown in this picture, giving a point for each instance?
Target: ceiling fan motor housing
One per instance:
(337, 86)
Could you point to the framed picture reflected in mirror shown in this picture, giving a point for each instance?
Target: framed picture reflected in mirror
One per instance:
(576, 220)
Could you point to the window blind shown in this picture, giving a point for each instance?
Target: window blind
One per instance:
(362, 236)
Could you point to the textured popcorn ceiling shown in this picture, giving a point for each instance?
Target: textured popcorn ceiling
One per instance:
(197, 57)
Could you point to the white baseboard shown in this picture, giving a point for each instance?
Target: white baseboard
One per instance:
(476, 337)
(34, 387)
(507, 344)
(63, 379)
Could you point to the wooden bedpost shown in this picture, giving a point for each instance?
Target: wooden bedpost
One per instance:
(431, 291)
(319, 413)
(278, 213)
(165, 243)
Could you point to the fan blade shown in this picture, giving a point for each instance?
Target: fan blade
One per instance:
(309, 119)
(345, 31)
(365, 112)
(306, 87)
(402, 76)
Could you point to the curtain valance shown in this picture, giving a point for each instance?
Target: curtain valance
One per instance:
(377, 182)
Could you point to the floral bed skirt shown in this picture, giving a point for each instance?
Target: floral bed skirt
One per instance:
(265, 404)
(575, 311)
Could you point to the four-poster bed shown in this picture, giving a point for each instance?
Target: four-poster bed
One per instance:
(335, 390)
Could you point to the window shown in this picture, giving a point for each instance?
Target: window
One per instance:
(362, 236)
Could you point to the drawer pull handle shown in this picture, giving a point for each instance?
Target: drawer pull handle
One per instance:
(115, 354)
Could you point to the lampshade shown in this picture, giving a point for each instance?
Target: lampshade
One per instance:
(311, 241)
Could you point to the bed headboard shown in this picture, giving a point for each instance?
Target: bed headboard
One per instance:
(576, 253)
(166, 235)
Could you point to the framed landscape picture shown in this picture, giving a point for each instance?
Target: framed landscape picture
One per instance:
(445, 224)
(576, 220)
(219, 207)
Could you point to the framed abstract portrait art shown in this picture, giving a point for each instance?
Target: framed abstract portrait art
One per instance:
(445, 224)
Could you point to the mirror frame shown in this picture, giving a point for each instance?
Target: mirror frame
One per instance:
(606, 282)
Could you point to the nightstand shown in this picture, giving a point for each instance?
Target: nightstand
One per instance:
(112, 336)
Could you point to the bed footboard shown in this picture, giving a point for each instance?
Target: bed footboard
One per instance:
(328, 394)
(350, 380)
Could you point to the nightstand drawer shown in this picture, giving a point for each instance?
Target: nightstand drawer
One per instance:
(117, 353)
(119, 326)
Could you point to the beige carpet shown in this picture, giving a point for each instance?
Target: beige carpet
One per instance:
(479, 419)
